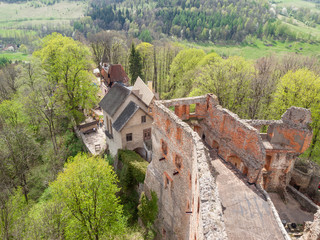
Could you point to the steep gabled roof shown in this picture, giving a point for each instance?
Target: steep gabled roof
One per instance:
(125, 116)
(142, 91)
(114, 98)
(117, 74)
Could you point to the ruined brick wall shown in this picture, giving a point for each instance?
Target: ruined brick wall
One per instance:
(236, 141)
(183, 178)
(189, 206)
(284, 141)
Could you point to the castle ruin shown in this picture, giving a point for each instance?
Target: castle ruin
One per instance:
(211, 169)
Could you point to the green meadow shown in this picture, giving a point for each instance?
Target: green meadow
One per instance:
(260, 49)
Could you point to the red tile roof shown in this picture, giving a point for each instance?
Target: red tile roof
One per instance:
(117, 74)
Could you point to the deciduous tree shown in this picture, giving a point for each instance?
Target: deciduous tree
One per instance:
(67, 64)
(88, 188)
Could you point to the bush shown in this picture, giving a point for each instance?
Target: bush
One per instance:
(136, 165)
(148, 209)
(148, 212)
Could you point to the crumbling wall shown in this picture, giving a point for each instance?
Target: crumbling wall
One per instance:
(180, 173)
(312, 229)
(189, 205)
(284, 141)
(236, 140)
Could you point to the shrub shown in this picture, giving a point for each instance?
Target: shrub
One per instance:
(136, 165)
(148, 212)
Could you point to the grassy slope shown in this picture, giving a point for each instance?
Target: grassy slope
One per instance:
(259, 49)
(297, 3)
(24, 11)
(23, 19)
(15, 56)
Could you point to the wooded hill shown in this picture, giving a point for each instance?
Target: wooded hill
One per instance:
(196, 20)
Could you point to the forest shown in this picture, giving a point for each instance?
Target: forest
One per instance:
(173, 44)
(197, 20)
(42, 100)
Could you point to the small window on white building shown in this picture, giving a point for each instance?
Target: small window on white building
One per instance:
(129, 137)
(143, 119)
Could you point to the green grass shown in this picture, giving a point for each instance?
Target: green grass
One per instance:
(15, 56)
(259, 49)
(296, 3)
(24, 11)
(299, 26)
(25, 23)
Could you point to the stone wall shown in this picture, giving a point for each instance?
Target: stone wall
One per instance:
(312, 229)
(189, 205)
(181, 174)
(236, 140)
(305, 202)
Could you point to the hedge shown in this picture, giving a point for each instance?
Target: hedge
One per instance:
(136, 164)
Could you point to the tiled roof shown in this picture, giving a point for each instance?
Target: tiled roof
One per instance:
(117, 74)
(125, 116)
(114, 98)
(142, 91)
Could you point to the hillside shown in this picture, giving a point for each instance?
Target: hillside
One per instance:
(205, 20)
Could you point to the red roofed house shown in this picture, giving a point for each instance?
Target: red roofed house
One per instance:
(111, 73)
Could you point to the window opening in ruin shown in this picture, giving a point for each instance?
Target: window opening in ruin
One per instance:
(146, 134)
(268, 162)
(193, 203)
(203, 137)
(198, 205)
(164, 148)
(195, 237)
(167, 126)
(235, 160)
(192, 108)
(179, 135)
(164, 233)
(178, 162)
(166, 182)
(129, 137)
(143, 119)
(215, 145)
(265, 181)
(264, 128)
(245, 171)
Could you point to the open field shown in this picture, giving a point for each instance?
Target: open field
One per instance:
(299, 26)
(296, 3)
(15, 56)
(24, 23)
(24, 11)
(259, 49)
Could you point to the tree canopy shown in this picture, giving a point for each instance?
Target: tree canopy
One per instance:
(67, 64)
(88, 187)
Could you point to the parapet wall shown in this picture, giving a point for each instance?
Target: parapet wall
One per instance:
(180, 174)
(236, 140)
